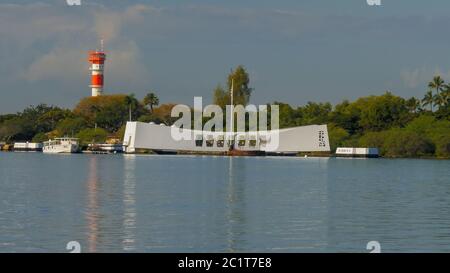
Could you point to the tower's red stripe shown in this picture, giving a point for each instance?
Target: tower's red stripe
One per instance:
(97, 80)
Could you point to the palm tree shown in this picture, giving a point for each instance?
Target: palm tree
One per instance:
(428, 99)
(129, 101)
(151, 100)
(413, 104)
(437, 84)
(440, 100)
(446, 95)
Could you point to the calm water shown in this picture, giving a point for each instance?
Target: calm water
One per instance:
(116, 203)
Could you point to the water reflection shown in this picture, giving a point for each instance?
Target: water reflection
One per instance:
(129, 203)
(192, 204)
(235, 207)
(92, 206)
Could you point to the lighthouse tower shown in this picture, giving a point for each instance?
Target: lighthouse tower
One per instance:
(97, 60)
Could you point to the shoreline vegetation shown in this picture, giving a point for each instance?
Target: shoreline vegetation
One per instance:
(399, 127)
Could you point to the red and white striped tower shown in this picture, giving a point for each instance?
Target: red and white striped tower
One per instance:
(97, 59)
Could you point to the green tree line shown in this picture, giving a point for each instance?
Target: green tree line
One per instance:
(411, 127)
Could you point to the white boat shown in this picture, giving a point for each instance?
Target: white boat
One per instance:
(357, 152)
(106, 148)
(27, 147)
(61, 145)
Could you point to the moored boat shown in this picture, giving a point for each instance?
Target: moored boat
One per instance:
(61, 145)
(357, 152)
(27, 147)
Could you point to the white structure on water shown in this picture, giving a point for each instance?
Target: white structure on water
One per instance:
(27, 147)
(313, 138)
(61, 145)
(160, 139)
(356, 152)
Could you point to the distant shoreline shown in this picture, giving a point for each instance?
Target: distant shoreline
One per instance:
(398, 127)
(150, 153)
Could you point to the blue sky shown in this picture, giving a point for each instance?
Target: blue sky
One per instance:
(295, 51)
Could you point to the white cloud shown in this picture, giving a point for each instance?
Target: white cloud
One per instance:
(125, 65)
(65, 59)
(59, 64)
(108, 24)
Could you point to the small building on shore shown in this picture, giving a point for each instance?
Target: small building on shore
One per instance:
(357, 152)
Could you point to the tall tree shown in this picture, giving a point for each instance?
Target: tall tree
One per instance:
(241, 89)
(439, 100)
(446, 95)
(151, 100)
(437, 84)
(428, 100)
(382, 112)
(109, 112)
(220, 96)
(413, 104)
